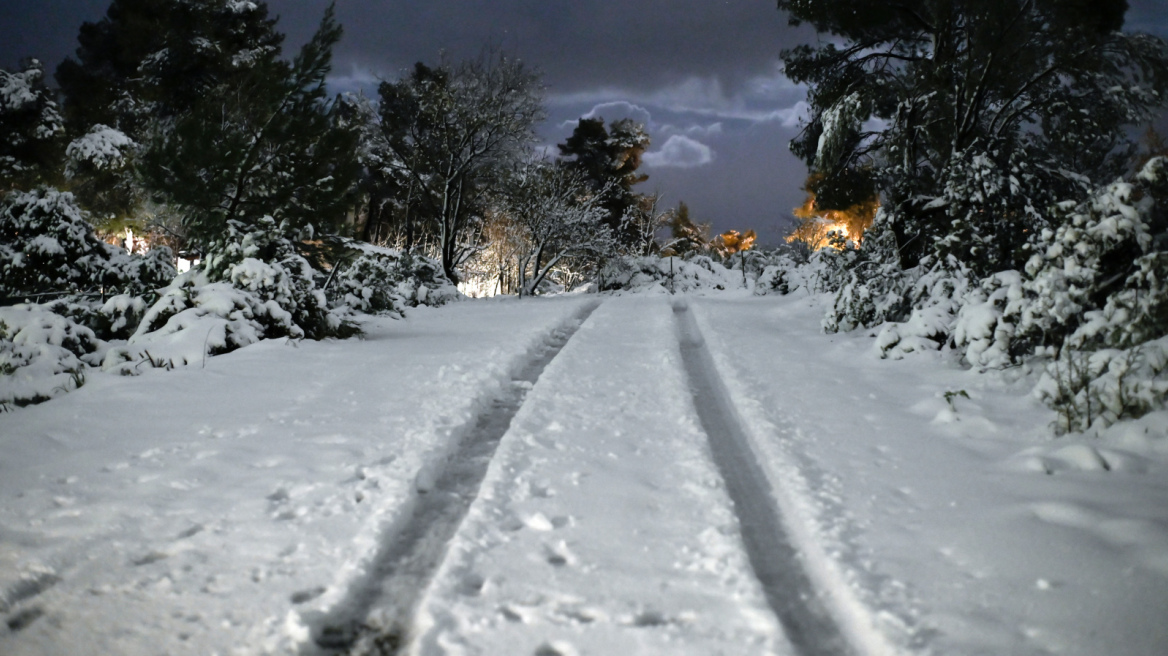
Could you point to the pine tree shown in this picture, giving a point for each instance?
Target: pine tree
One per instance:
(687, 236)
(609, 158)
(266, 143)
(148, 60)
(143, 65)
(31, 129)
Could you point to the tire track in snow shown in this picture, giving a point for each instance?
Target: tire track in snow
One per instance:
(376, 614)
(769, 546)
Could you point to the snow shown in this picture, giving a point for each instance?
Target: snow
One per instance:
(952, 525)
(241, 505)
(102, 148)
(601, 532)
(16, 89)
(184, 511)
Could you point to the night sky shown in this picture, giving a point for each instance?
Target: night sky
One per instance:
(703, 75)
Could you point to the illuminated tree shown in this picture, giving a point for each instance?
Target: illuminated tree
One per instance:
(820, 228)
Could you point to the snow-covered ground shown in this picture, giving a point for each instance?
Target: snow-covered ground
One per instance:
(249, 506)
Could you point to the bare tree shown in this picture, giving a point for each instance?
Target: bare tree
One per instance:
(451, 131)
(558, 216)
(642, 222)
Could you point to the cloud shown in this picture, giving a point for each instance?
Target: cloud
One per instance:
(614, 111)
(680, 151)
(698, 103)
(697, 130)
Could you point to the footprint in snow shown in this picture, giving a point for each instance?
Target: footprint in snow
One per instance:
(558, 555)
(304, 596)
(30, 585)
(556, 648)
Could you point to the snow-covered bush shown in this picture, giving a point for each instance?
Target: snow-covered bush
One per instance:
(1091, 390)
(115, 318)
(47, 247)
(1083, 261)
(1102, 290)
(985, 210)
(252, 285)
(783, 273)
(382, 280)
(102, 149)
(668, 274)
(41, 355)
(935, 299)
(984, 327)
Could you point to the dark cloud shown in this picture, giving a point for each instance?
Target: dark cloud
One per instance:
(578, 45)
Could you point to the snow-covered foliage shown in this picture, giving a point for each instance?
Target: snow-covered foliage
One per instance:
(550, 214)
(1092, 301)
(103, 148)
(40, 355)
(785, 273)
(114, 318)
(934, 300)
(1091, 390)
(252, 285)
(30, 125)
(984, 212)
(980, 330)
(47, 247)
(386, 281)
(839, 123)
(651, 273)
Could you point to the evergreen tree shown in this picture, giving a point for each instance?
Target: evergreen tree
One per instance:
(266, 142)
(687, 236)
(48, 250)
(143, 65)
(1034, 96)
(609, 159)
(153, 59)
(31, 129)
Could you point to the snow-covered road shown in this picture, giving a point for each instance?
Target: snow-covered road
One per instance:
(536, 477)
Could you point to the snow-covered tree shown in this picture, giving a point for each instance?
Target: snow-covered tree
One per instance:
(48, 249)
(448, 132)
(685, 234)
(385, 281)
(558, 216)
(609, 157)
(151, 60)
(266, 143)
(642, 223)
(138, 69)
(31, 129)
(911, 99)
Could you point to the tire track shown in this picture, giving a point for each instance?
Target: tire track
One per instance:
(769, 546)
(376, 614)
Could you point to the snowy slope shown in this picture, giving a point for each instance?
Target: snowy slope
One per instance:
(203, 510)
(255, 505)
(935, 523)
